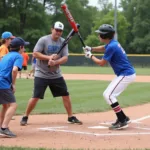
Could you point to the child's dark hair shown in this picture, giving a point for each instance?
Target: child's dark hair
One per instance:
(2, 41)
(14, 49)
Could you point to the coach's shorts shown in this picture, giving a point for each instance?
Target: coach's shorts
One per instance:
(57, 86)
(7, 96)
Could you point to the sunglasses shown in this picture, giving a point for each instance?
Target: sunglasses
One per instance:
(58, 30)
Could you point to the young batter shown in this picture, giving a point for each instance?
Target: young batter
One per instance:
(125, 73)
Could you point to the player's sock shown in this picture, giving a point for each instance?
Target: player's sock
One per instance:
(119, 113)
(3, 128)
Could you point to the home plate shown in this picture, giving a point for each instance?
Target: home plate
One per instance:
(98, 127)
(106, 123)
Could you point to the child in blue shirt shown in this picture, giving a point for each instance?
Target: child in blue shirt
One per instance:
(115, 55)
(9, 66)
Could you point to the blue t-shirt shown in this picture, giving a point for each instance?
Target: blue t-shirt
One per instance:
(6, 65)
(117, 58)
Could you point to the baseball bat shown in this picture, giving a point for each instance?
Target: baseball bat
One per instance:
(80, 37)
(72, 22)
(65, 42)
(70, 35)
(69, 17)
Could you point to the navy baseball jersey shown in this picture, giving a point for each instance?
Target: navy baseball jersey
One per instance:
(117, 58)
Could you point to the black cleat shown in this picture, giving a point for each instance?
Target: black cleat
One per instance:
(119, 126)
(74, 120)
(24, 121)
(127, 120)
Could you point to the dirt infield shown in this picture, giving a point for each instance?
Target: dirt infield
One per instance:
(103, 77)
(52, 131)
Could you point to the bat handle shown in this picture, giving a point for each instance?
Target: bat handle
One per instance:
(81, 39)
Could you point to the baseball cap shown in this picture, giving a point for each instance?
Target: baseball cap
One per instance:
(6, 35)
(17, 42)
(59, 25)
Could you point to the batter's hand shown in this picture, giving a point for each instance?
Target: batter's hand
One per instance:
(88, 54)
(87, 48)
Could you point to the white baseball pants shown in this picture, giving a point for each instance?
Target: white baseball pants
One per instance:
(116, 87)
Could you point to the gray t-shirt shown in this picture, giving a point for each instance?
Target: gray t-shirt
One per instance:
(47, 46)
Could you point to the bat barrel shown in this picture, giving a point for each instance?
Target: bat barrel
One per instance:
(69, 17)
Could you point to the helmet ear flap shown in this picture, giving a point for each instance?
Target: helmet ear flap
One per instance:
(107, 35)
(103, 36)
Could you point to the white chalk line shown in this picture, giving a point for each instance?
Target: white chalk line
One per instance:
(98, 127)
(109, 123)
(141, 119)
(132, 121)
(94, 134)
(142, 128)
(60, 129)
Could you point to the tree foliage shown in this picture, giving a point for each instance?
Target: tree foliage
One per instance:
(32, 19)
(109, 19)
(137, 13)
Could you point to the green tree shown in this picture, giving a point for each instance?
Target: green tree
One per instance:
(109, 19)
(32, 19)
(84, 15)
(138, 35)
(25, 18)
(129, 10)
(105, 6)
(141, 28)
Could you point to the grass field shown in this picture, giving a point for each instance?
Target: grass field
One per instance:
(96, 70)
(87, 96)
(99, 70)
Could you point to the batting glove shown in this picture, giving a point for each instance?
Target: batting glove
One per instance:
(87, 48)
(88, 54)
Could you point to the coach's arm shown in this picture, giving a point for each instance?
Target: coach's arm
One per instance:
(41, 56)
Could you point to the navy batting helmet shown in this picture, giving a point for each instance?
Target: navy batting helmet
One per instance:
(106, 31)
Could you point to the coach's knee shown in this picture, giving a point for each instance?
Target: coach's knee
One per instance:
(33, 100)
(13, 105)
